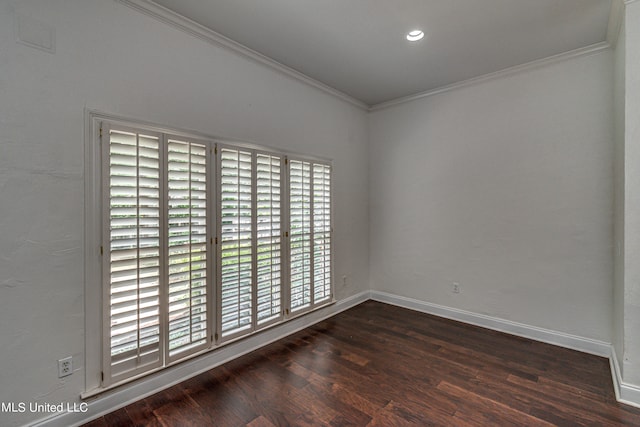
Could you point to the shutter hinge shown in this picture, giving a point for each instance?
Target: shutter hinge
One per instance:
(101, 250)
(286, 234)
(286, 311)
(101, 132)
(216, 240)
(286, 160)
(102, 376)
(215, 150)
(216, 336)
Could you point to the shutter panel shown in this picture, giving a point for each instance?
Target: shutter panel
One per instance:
(187, 246)
(300, 234)
(160, 203)
(134, 252)
(268, 235)
(236, 235)
(321, 233)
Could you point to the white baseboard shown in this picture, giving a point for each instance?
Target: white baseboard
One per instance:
(586, 345)
(628, 394)
(110, 401)
(123, 396)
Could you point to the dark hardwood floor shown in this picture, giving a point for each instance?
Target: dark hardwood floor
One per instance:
(379, 365)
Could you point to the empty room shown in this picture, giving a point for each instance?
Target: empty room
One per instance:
(365, 212)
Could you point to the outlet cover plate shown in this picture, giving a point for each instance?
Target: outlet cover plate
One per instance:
(65, 367)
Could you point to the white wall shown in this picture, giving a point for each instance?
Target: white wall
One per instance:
(114, 59)
(617, 337)
(505, 187)
(626, 286)
(631, 358)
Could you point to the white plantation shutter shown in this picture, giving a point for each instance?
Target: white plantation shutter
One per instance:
(187, 246)
(321, 232)
(300, 234)
(268, 234)
(236, 242)
(132, 261)
(310, 234)
(166, 287)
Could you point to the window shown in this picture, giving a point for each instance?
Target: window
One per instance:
(204, 242)
(186, 245)
(310, 242)
(250, 246)
(133, 266)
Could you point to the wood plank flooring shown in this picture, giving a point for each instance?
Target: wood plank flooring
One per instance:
(380, 365)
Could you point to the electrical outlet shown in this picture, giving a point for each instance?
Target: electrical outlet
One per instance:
(65, 367)
(455, 288)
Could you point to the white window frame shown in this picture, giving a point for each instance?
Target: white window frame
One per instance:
(98, 378)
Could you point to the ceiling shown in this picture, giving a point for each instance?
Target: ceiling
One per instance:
(359, 48)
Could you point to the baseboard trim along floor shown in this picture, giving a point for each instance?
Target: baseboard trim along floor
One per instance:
(113, 400)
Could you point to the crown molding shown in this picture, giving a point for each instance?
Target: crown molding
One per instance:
(161, 13)
(616, 15)
(167, 16)
(584, 51)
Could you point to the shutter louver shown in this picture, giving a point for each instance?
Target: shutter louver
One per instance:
(134, 251)
(236, 233)
(268, 174)
(321, 233)
(187, 246)
(300, 234)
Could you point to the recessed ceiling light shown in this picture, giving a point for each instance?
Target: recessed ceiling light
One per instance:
(415, 35)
